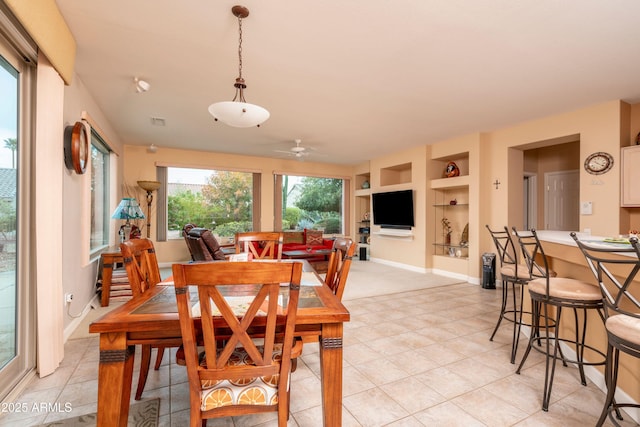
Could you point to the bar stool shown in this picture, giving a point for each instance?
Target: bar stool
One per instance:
(514, 276)
(557, 293)
(621, 308)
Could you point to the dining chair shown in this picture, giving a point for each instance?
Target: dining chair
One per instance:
(260, 244)
(246, 319)
(549, 296)
(615, 268)
(143, 272)
(339, 265)
(514, 275)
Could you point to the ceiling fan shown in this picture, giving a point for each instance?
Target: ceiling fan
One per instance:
(298, 151)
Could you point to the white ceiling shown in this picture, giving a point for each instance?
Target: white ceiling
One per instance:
(354, 79)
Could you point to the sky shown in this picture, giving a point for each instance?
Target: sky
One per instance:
(199, 176)
(8, 112)
(188, 176)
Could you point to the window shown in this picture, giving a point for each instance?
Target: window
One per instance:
(99, 194)
(220, 200)
(312, 202)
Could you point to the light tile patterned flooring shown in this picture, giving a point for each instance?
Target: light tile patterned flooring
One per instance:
(418, 358)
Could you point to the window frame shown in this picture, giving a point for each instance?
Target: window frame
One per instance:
(346, 205)
(162, 217)
(98, 143)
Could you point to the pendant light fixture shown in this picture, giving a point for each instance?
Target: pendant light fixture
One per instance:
(239, 113)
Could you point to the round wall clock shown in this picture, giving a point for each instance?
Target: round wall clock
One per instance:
(76, 147)
(598, 163)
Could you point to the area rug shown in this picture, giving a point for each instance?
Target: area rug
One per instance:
(368, 279)
(141, 414)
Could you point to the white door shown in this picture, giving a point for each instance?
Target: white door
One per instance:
(562, 200)
(530, 199)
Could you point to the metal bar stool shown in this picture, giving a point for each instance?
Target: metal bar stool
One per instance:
(514, 277)
(615, 273)
(557, 293)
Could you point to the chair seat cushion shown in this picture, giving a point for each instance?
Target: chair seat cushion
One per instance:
(561, 287)
(242, 391)
(625, 327)
(510, 271)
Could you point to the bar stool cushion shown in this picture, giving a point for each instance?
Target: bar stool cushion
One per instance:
(560, 287)
(625, 327)
(510, 271)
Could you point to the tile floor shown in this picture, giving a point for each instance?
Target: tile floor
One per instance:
(417, 358)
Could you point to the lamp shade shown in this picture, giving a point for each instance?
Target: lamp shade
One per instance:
(149, 185)
(239, 114)
(128, 209)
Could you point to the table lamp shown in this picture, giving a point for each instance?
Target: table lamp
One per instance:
(149, 187)
(128, 209)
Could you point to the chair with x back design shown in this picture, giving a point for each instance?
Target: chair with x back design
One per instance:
(615, 267)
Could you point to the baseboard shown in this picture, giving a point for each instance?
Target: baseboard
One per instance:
(463, 277)
(71, 327)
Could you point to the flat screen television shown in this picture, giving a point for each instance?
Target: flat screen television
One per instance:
(393, 209)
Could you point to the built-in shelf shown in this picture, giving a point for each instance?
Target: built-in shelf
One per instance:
(450, 183)
(403, 234)
(397, 174)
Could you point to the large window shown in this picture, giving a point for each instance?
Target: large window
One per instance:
(222, 201)
(99, 193)
(312, 202)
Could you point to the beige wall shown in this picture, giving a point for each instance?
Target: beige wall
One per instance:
(78, 271)
(600, 129)
(408, 252)
(140, 164)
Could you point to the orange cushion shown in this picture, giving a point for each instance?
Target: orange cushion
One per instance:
(243, 391)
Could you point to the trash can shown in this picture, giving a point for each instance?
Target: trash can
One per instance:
(363, 253)
(489, 270)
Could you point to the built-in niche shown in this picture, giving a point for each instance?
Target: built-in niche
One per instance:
(398, 174)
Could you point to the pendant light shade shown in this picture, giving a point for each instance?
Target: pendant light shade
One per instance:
(239, 113)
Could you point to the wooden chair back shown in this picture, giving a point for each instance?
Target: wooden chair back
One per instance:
(141, 264)
(339, 265)
(260, 244)
(245, 304)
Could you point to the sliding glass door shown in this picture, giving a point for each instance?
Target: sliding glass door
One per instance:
(16, 307)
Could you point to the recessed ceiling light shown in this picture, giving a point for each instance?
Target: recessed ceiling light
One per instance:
(158, 121)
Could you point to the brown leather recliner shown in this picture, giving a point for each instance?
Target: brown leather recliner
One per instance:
(202, 245)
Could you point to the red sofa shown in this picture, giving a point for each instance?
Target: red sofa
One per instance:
(301, 240)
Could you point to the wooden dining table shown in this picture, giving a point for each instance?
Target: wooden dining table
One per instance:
(153, 319)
